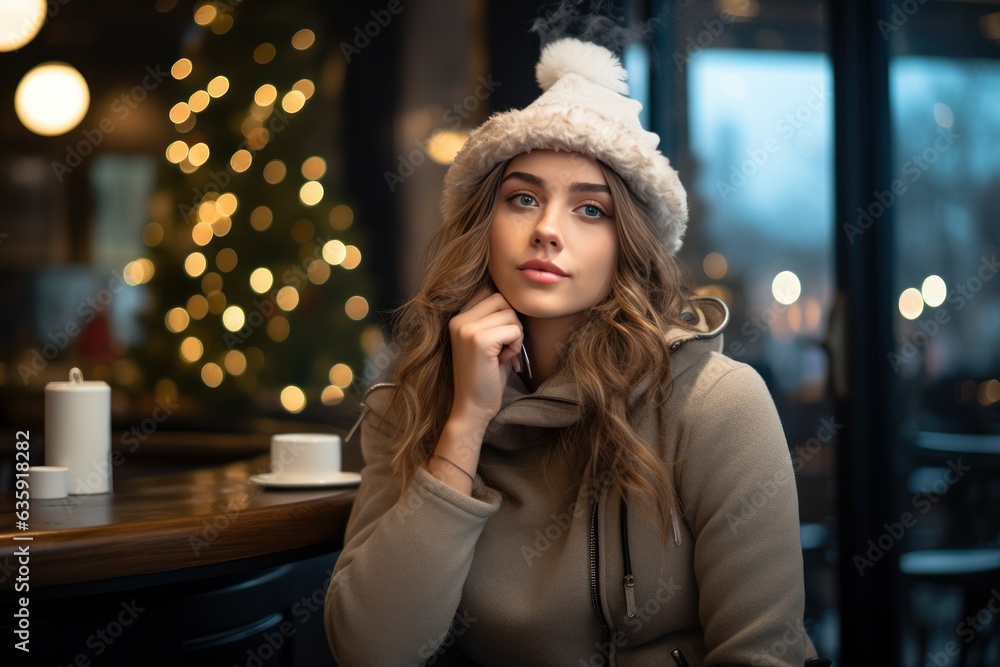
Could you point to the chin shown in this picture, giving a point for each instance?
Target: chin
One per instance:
(541, 307)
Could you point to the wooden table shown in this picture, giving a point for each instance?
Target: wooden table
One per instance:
(156, 524)
(192, 544)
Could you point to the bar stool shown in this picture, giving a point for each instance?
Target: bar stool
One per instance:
(977, 573)
(969, 559)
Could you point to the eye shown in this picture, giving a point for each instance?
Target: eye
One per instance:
(522, 199)
(593, 210)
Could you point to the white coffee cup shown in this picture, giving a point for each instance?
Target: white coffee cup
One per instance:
(48, 482)
(305, 457)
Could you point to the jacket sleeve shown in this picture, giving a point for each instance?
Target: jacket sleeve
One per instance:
(397, 584)
(737, 486)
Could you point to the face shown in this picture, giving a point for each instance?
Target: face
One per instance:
(553, 241)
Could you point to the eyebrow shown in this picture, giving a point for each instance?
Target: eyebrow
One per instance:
(540, 182)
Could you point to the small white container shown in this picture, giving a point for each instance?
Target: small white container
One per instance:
(48, 482)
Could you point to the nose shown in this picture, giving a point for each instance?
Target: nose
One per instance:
(548, 231)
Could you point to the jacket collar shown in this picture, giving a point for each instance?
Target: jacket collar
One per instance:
(555, 404)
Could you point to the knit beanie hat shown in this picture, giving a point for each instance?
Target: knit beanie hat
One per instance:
(583, 109)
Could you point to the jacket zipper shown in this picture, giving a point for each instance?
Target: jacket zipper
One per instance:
(595, 597)
(628, 580)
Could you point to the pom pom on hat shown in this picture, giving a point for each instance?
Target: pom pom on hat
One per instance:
(591, 61)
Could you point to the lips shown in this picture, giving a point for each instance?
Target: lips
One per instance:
(540, 265)
(540, 271)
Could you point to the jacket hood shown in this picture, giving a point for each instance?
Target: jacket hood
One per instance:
(556, 404)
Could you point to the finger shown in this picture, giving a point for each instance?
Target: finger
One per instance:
(491, 304)
(510, 336)
(495, 319)
(481, 294)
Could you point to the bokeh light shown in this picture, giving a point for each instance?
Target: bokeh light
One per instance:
(341, 375)
(911, 303)
(274, 172)
(264, 53)
(278, 329)
(332, 395)
(197, 306)
(305, 86)
(265, 95)
(51, 99)
(334, 252)
(152, 234)
(212, 375)
(287, 298)
(293, 101)
(341, 217)
(20, 21)
(177, 320)
(715, 265)
(303, 39)
(261, 218)
(786, 288)
(241, 160)
(191, 349)
(311, 193)
(177, 151)
(261, 280)
(218, 86)
(933, 290)
(233, 318)
(195, 264)
(352, 257)
(181, 69)
(293, 399)
(356, 308)
(313, 168)
(226, 260)
(235, 363)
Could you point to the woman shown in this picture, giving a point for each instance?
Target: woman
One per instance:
(560, 472)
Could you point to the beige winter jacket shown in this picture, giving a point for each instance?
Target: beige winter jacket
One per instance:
(508, 577)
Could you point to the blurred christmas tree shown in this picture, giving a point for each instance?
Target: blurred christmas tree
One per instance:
(259, 288)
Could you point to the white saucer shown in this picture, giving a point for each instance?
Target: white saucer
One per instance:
(342, 479)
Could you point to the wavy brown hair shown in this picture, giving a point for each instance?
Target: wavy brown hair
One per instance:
(619, 346)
